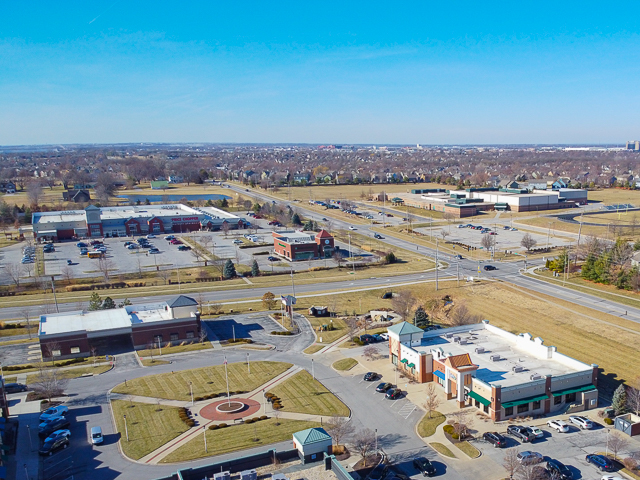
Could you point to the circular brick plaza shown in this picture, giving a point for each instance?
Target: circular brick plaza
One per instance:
(211, 411)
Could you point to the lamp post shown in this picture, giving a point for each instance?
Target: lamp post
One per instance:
(376, 439)
(191, 391)
(204, 435)
(313, 371)
(126, 430)
(29, 434)
(248, 364)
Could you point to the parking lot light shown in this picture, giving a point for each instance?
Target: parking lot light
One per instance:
(126, 430)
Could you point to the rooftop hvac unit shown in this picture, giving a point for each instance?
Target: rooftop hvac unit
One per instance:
(278, 476)
(249, 475)
(494, 358)
(456, 339)
(479, 349)
(535, 376)
(517, 368)
(222, 476)
(448, 335)
(462, 341)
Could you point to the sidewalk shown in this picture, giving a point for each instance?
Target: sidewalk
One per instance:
(26, 458)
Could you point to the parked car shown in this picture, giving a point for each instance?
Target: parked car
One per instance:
(370, 376)
(558, 425)
(514, 229)
(520, 432)
(58, 433)
(558, 470)
(69, 262)
(238, 241)
(49, 426)
(489, 267)
(462, 226)
(611, 477)
(81, 244)
(351, 227)
(393, 394)
(272, 259)
(48, 249)
(383, 387)
(459, 257)
(601, 462)
(183, 248)
(384, 336)
(378, 236)
(59, 411)
(96, 435)
(151, 235)
(530, 458)
(495, 439)
(377, 337)
(582, 422)
(51, 446)
(15, 387)
(366, 338)
(424, 466)
(170, 237)
(133, 246)
(536, 431)
(492, 233)
(27, 260)
(154, 250)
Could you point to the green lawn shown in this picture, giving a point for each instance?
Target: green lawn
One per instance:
(238, 437)
(442, 449)
(428, 426)
(150, 426)
(468, 449)
(191, 347)
(314, 348)
(302, 394)
(205, 380)
(328, 336)
(73, 372)
(147, 362)
(345, 364)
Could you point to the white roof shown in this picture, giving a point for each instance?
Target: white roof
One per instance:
(58, 323)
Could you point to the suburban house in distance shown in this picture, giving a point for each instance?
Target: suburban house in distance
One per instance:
(76, 334)
(303, 245)
(502, 374)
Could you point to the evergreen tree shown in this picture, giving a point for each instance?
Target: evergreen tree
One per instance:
(308, 225)
(619, 400)
(124, 303)
(224, 203)
(295, 219)
(229, 269)
(420, 319)
(256, 208)
(255, 269)
(95, 302)
(108, 304)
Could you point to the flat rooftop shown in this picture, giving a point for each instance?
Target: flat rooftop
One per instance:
(511, 355)
(296, 237)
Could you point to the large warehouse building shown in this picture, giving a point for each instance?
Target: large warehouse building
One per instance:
(129, 220)
(502, 374)
(77, 334)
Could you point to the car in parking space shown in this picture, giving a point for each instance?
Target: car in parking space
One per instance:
(527, 457)
(462, 226)
(58, 433)
(506, 227)
(170, 237)
(51, 446)
(237, 241)
(495, 439)
(81, 245)
(151, 235)
(59, 411)
(489, 268)
(424, 466)
(324, 219)
(383, 387)
(377, 337)
(132, 246)
(379, 472)
(49, 426)
(154, 250)
(514, 229)
(583, 422)
(520, 432)
(558, 470)
(48, 248)
(611, 477)
(69, 262)
(366, 338)
(15, 387)
(370, 376)
(384, 336)
(184, 248)
(601, 462)
(492, 233)
(558, 425)
(536, 431)
(272, 259)
(393, 394)
(27, 260)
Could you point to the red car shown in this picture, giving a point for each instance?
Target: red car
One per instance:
(257, 216)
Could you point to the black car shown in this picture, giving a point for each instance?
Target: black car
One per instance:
(272, 259)
(14, 387)
(383, 387)
(520, 432)
(489, 267)
(51, 446)
(366, 338)
(379, 472)
(558, 470)
(393, 394)
(47, 428)
(495, 439)
(378, 236)
(601, 462)
(424, 466)
(370, 376)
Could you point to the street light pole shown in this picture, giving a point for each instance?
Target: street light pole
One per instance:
(30, 441)
(204, 435)
(126, 430)
(313, 371)
(248, 364)
(53, 290)
(376, 439)
(436, 264)
(191, 391)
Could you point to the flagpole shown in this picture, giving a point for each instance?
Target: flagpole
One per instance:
(227, 377)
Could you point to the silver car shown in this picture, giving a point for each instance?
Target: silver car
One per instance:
(582, 422)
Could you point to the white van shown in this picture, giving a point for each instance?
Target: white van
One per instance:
(96, 435)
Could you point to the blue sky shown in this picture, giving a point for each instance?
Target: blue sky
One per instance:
(319, 72)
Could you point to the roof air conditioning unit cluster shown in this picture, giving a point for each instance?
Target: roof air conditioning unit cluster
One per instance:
(222, 476)
(249, 475)
(517, 368)
(479, 349)
(494, 358)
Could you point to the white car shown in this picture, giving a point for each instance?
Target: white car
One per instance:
(536, 431)
(611, 477)
(59, 411)
(238, 242)
(583, 422)
(151, 235)
(352, 227)
(384, 336)
(558, 425)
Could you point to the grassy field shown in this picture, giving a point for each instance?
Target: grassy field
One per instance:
(468, 449)
(302, 394)
(147, 362)
(74, 372)
(349, 192)
(149, 426)
(428, 426)
(206, 380)
(559, 226)
(238, 437)
(615, 196)
(345, 364)
(191, 347)
(442, 449)
(313, 349)
(12, 332)
(328, 336)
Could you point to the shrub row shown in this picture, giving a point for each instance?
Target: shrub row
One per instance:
(275, 401)
(102, 286)
(63, 363)
(357, 341)
(240, 340)
(256, 419)
(9, 326)
(220, 394)
(215, 427)
(281, 333)
(185, 417)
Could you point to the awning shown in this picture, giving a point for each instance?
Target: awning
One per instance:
(404, 360)
(585, 388)
(479, 398)
(412, 365)
(439, 374)
(523, 401)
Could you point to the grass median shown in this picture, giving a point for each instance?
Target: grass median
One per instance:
(191, 347)
(428, 426)
(73, 373)
(149, 426)
(205, 380)
(345, 364)
(302, 394)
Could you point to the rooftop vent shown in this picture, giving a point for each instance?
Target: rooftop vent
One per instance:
(456, 339)
(517, 368)
(495, 358)
(536, 376)
(448, 335)
(479, 349)
(462, 341)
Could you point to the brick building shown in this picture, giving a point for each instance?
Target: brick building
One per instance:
(502, 374)
(303, 245)
(76, 334)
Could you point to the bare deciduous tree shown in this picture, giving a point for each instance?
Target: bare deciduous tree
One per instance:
(340, 428)
(616, 443)
(488, 242)
(34, 192)
(511, 462)
(14, 272)
(528, 242)
(460, 315)
(165, 275)
(225, 229)
(370, 352)
(49, 383)
(633, 396)
(363, 442)
(444, 234)
(403, 302)
(67, 274)
(432, 400)
(531, 472)
(463, 421)
(51, 351)
(105, 266)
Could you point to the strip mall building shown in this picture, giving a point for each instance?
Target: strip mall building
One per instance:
(502, 374)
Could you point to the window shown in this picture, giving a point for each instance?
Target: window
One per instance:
(55, 353)
(570, 397)
(75, 349)
(508, 411)
(190, 334)
(523, 408)
(557, 400)
(157, 339)
(486, 408)
(174, 337)
(536, 405)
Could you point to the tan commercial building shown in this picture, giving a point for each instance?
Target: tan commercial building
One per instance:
(502, 374)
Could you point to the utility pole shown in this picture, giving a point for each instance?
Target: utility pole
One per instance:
(458, 272)
(436, 264)
(548, 235)
(293, 285)
(53, 290)
(578, 244)
(384, 209)
(204, 435)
